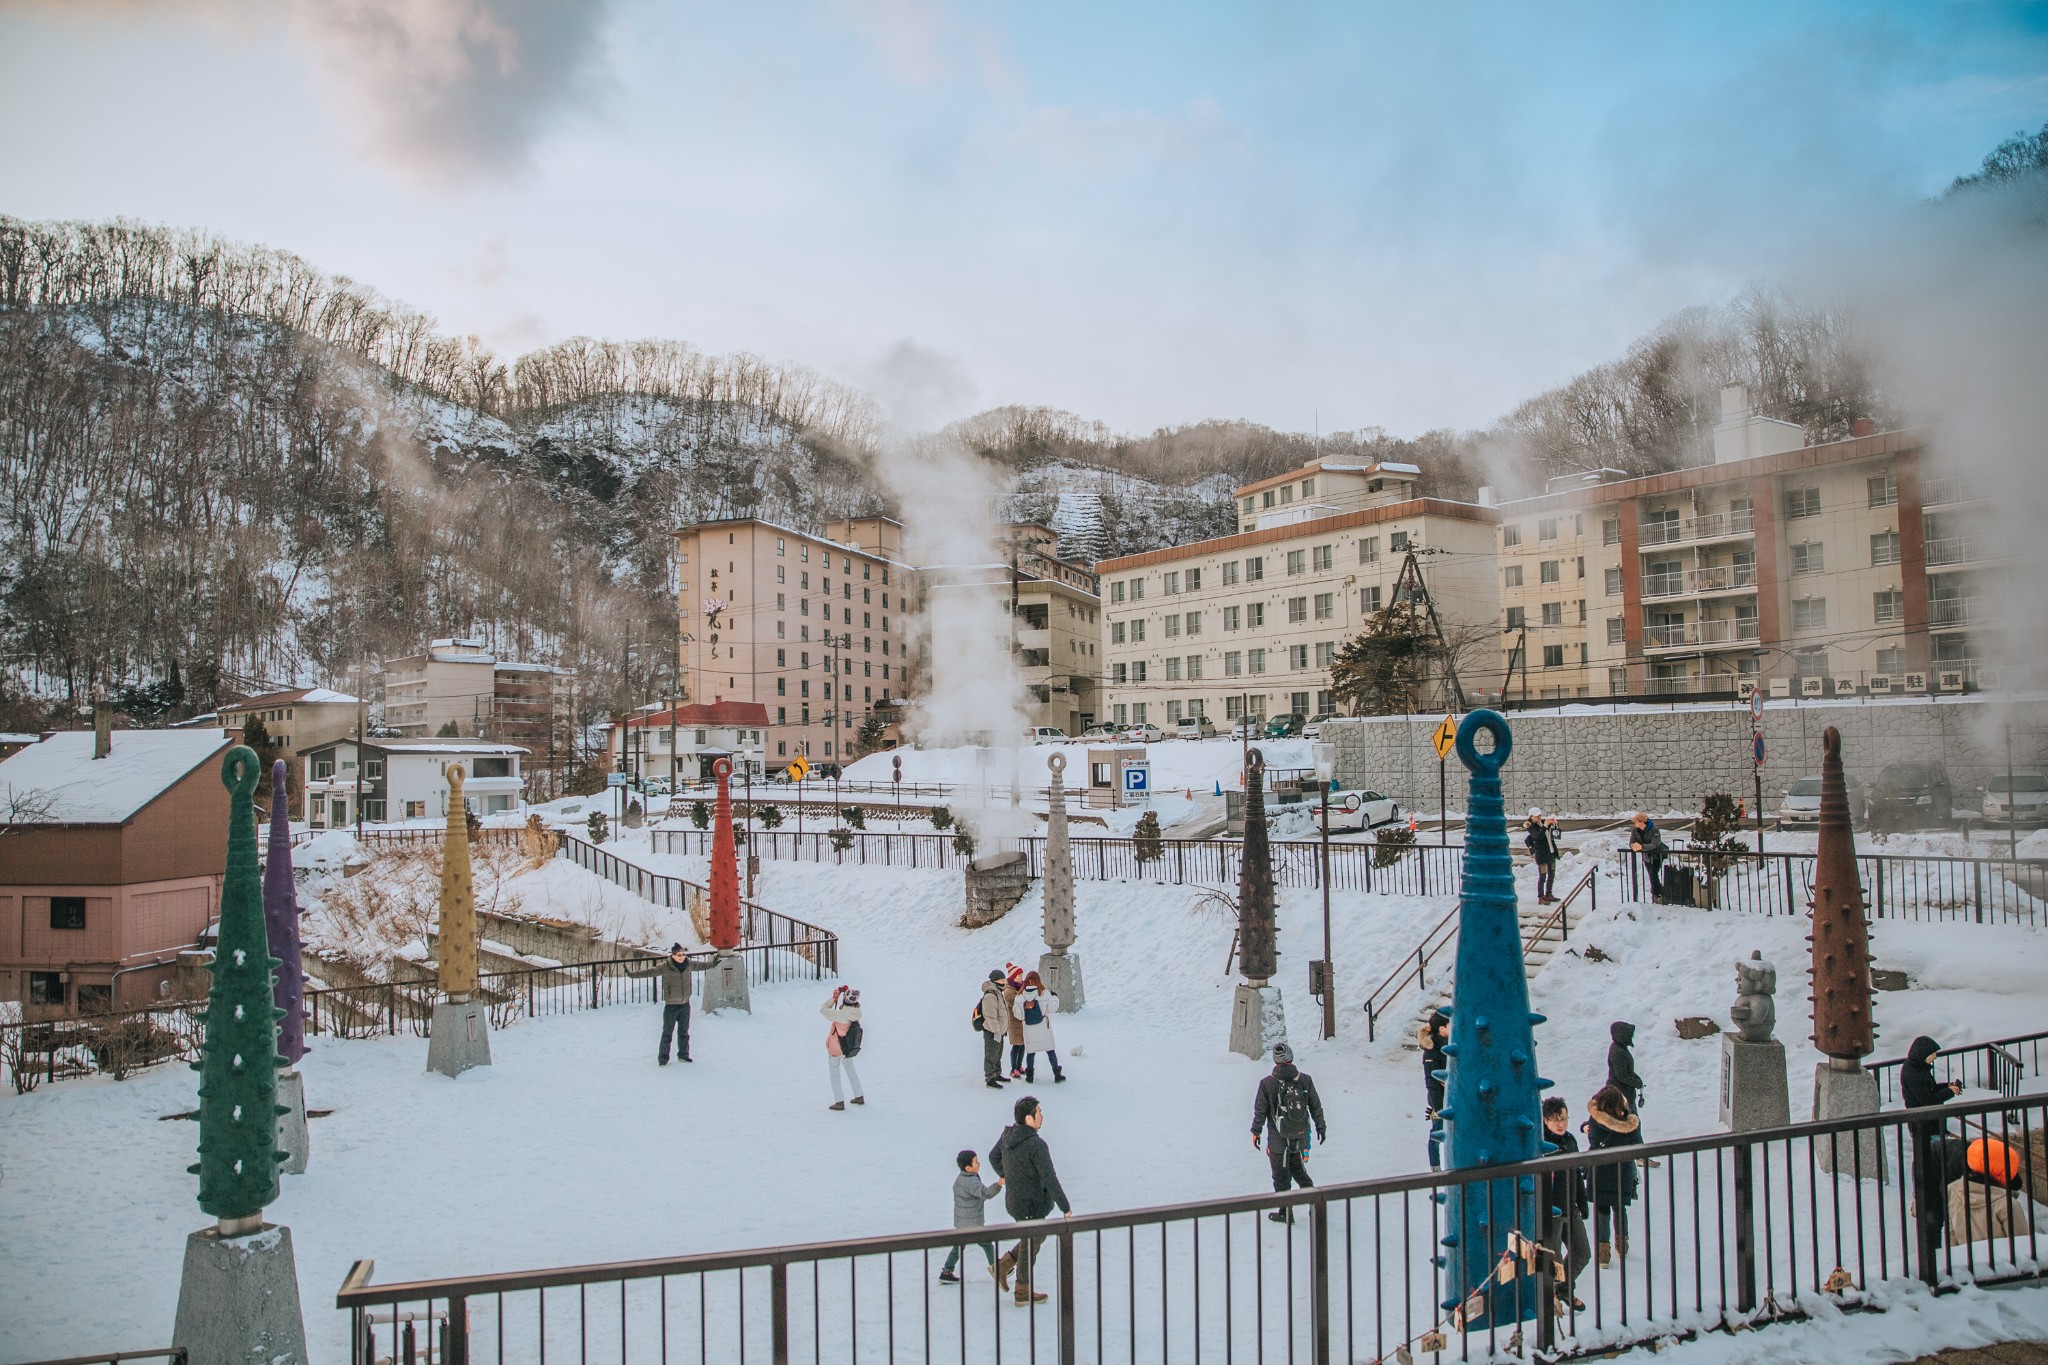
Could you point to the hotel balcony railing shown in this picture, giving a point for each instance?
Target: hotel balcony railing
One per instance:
(1960, 611)
(1963, 549)
(1693, 685)
(1695, 634)
(1948, 488)
(1715, 578)
(1713, 526)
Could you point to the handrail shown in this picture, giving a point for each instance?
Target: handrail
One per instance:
(2002, 1066)
(175, 1354)
(1558, 916)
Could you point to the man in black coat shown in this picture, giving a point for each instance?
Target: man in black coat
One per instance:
(1621, 1062)
(1540, 837)
(1647, 843)
(1031, 1188)
(1282, 1112)
(1435, 1034)
(1923, 1090)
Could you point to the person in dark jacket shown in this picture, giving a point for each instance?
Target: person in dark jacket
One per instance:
(1923, 1090)
(1435, 1033)
(1621, 1063)
(1647, 843)
(992, 1016)
(1567, 1199)
(969, 1194)
(1282, 1112)
(1031, 1189)
(1540, 838)
(675, 971)
(1610, 1124)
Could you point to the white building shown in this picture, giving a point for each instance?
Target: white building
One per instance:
(680, 743)
(407, 779)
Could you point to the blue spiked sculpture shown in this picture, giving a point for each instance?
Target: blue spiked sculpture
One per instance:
(1492, 1094)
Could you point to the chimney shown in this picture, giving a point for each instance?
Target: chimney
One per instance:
(102, 725)
(1862, 426)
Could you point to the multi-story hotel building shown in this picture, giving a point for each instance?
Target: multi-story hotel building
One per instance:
(1843, 567)
(1249, 623)
(1059, 628)
(813, 627)
(460, 682)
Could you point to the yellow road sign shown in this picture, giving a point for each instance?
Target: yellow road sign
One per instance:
(799, 768)
(1444, 736)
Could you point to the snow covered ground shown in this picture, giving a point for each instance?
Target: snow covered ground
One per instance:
(575, 1147)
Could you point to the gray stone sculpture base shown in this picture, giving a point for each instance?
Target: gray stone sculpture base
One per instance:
(238, 1303)
(1061, 973)
(726, 986)
(459, 1037)
(1258, 1023)
(1754, 1090)
(1842, 1095)
(291, 1124)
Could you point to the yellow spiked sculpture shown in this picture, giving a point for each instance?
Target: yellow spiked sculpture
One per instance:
(460, 1035)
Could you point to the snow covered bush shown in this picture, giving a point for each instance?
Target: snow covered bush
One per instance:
(769, 816)
(599, 826)
(942, 819)
(700, 814)
(1392, 842)
(1145, 839)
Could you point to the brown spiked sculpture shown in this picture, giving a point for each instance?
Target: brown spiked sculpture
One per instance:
(1842, 1025)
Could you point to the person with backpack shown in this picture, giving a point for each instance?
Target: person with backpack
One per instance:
(1034, 1009)
(1435, 1033)
(842, 1042)
(992, 1022)
(1540, 837)
(1031, 1189)
(1610, 1124)
(1621, 1063)
(1013, 986)
(676, 970)
(1647, 843)
(1283, 1111)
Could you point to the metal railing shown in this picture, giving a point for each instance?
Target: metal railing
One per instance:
(1721, 1231)
(1713, 578)
(1694, 685)
(1713, 526)
(2001, 1064)
(1945, 488)
(1964, 549)
(1443, 937)
(1722, 631)
(1895, 886)
(1961, 611)
(174, 1354)
(1415, 870)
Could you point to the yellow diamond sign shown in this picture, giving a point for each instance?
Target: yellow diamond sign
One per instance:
(1444, 736)
(799, 768)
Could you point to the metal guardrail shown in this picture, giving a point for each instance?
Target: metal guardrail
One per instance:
(1726, 1230)
(2001, 1065)
(1896, 886)
(174, 1354)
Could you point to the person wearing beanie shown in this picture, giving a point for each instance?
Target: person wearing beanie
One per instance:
(675, 971)
(992, 1018)
(1283, 1112)
(1034, 1008)
(843, 1041)
(1540, 837)
(1436, 1031)
(1013, 986)
(1987, 1201)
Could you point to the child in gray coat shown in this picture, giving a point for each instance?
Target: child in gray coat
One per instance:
(969, 1194)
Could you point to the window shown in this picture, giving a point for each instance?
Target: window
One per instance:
(1117, 673)
(1255, 569)
(1368, 600)
(1138, 712)
(1582, 566)
(1137, 632)
(45, 988)
(1612, 581)
(1194, 580)
(780, 574)
(322, 767)
(1510, 536)
(1610, 531)
(1137, 589)
(1891, 661)
(1266, 498)
(803, 606)
(373, 809)
(1511, 576)
(782, 687)
(1809, 613)
(1884, 490)
(1255, 614)
(1172, 625)
(1884, 548)
(1617, 682)
(1398, 541)
(1298, 703)
(1169, 584)
(1808, 558)
(1230, 573)
(67, 912)
(1517, 618)
(1308, 488)
(1233, 708)
(1553, 656)
(1547, 571)
(1116, 591)
(1233, 618)
(1194, 620)
(1138, 671)
(1251, 504)
(1195, 668)
(1173, 668)
(1324, 557)
(1888, 608)
(1326, 653)
(1297, 562)
(1297, 609)
(1368, 549)
(1326, 702)
(1546, 529)
(1326, 605)
(1116, 632)
(1173, 713)
(1286, 493)
(1617, 630)
(1802, 502)
(1233, 664)
(1297, 656)
(1256, 660)
(1122, 717)
(1553, 613)
(804, 688)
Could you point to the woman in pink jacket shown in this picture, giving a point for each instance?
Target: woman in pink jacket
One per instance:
(842, 1042)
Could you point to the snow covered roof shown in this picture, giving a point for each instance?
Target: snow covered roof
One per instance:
(83, 790)
(11, 738)
(445, 746)
(306, 696)
(516, 666)
(709, 713)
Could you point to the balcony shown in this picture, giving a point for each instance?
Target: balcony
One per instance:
(1719, 634)
(1694, 685)
(1960, 611)
(1949, 488)
(1963, 550)
(1696, 582)
(1713, 526)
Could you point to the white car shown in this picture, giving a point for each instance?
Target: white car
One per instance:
(1251, 727)
(2027, 803)
(1146, 733)
(1045, 734)
(1801, 805)
(1360, 810)
(1194, 727)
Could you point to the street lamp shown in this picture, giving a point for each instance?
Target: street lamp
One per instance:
(1325, 758)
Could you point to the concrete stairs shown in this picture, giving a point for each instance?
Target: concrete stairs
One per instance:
(1534, 920)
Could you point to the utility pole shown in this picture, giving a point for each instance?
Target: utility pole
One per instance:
(359, 768)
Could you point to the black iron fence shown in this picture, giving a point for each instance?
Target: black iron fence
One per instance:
(1895, 886)
(2003, 1064)
(1406, 870)
(1721, 1231)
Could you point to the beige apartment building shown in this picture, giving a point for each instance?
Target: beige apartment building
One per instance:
(1840, 569)
(813, 627)
(1059, 629)
(461, 682)
(1249, 623)
(298, 719)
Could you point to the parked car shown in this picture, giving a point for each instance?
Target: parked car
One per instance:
(1194, 727)
(1909, 794)
(1801, 805)
(1045, 734)
(1285, 726)
(656, 786)
(1249, 727)
(1142, 733)
(2026, 803)
(1361, 810)
(1314, 728)
(1101, 732)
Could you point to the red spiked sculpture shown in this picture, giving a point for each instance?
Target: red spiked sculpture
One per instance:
(725, 869)
(1842, 1025)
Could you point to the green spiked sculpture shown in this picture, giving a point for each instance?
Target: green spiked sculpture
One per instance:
(238, 1064)
(1492, 1094)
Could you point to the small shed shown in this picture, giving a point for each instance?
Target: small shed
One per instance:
(1106, 767)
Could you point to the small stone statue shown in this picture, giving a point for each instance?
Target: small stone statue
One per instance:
(1755, 1010)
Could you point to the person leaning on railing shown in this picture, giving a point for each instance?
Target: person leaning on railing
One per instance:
(1936, 1156)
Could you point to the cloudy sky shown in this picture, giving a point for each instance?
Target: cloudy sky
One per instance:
(1401, 215)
